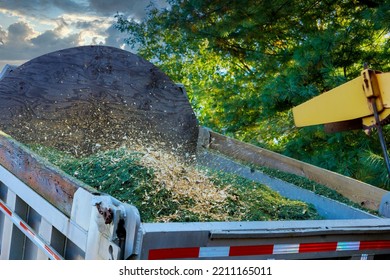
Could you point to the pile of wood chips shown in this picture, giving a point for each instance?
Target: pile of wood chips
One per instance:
(185, 181)
(166, 187)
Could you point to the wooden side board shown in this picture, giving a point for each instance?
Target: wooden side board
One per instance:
(366, 195)
(51, 183)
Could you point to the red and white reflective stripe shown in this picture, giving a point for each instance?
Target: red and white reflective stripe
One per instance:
(29, 232)
(271, 249)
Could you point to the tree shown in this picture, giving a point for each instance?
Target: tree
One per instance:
(245, 64)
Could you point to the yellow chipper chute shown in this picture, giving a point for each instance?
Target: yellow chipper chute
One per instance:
(363, 103)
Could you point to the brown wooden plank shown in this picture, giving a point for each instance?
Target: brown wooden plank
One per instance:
(52, 184)
(87, 98)
(357, 191)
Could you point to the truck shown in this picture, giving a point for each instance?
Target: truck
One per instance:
(46, 213)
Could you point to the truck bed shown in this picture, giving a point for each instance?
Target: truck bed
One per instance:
(49, 214)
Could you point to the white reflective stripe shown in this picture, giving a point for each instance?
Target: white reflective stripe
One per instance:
(55, 217)
(348, 246)
(214, 252)
(286, 249)
(38, 241)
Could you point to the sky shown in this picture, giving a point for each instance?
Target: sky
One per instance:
(30, 28)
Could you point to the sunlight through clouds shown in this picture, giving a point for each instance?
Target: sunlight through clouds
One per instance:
(30, 28)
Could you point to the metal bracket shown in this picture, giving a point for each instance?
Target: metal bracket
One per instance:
(370, 83)
(372, 92)
(384, 207)
(371, 89)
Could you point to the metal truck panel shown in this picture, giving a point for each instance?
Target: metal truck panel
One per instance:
(266, 240)
(41, 205)
(32, 228)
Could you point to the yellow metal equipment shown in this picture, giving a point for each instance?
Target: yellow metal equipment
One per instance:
(350, 103)
(361, 103)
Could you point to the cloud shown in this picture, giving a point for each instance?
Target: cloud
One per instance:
(108, 8)
(3, 35)
(133, 8)
(40, 7)
(42, 26)
(89, 24)
(51, 40)
(114, 37)
(15, 39)
(19, 33)
(20, 41)
(68, 6)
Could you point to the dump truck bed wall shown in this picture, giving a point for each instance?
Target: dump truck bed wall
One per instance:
(327, 208)
(362, 193)
(97, 226)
